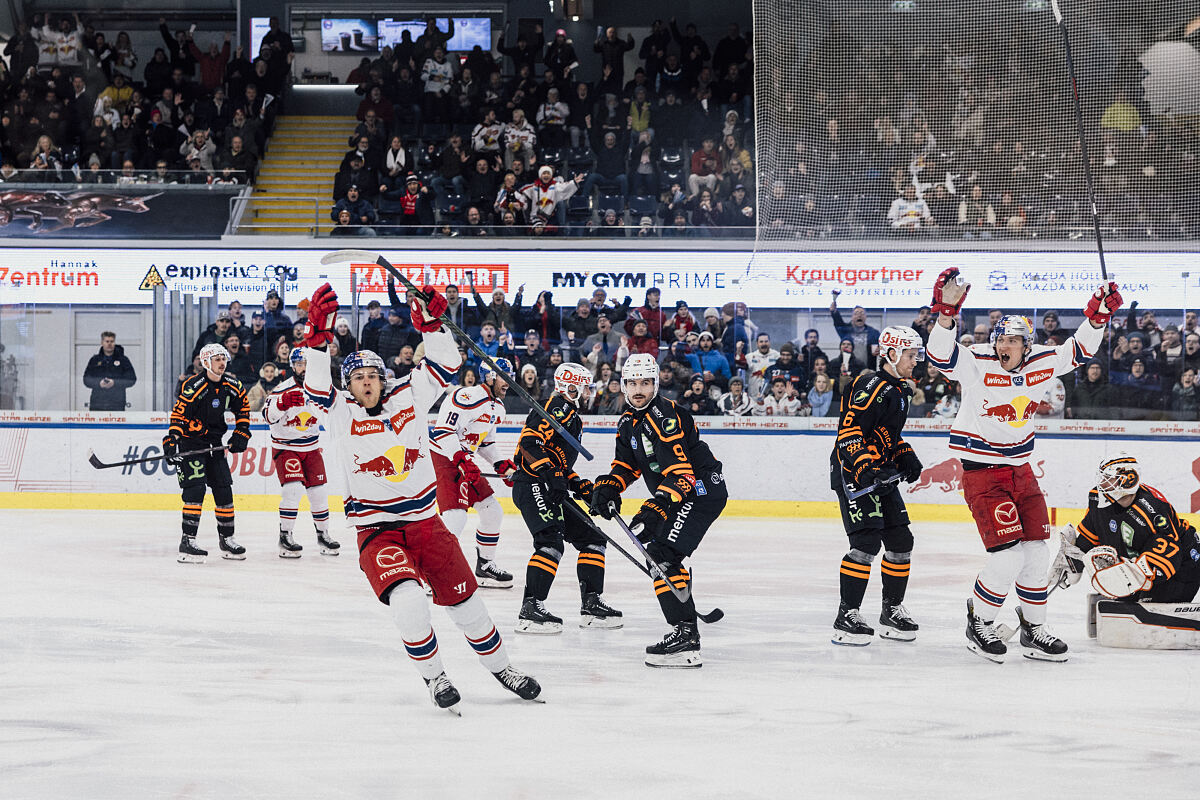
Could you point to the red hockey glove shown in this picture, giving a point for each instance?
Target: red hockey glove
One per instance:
(322, 312)
(426, 314)
(949, 292)
(505, 469)
(291, 399)
(468, 471)
(1103, 303)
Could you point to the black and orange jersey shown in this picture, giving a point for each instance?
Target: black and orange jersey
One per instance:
(1149, 527)
(541, 448)
(660, 444)
(873, 411)
(199, 411)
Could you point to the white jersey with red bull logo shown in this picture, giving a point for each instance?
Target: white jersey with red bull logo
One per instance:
(389, 474)
(994, 421)
(296, 428)
(467, 421)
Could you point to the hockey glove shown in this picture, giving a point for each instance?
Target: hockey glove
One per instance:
(1122, 578)
(652, 516)
(239, 440)
(606, 497)
(908, 464)
(468, 470)
(291, 399)
(322, 312)
(556, 487)
(171, 450)
(1067, 568)
(1103, 303)
(581, 489)
(426, 314)
(949, 292)
(505, 469)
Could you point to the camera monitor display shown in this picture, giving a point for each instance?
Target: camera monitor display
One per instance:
(468, 31)
(349, 36)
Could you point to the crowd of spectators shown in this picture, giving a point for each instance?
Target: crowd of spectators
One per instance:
(520, 143)
(80, 105)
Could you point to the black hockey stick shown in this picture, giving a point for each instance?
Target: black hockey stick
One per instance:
(360, 256)
(95, 461)
(650, 568)
(1087, 165)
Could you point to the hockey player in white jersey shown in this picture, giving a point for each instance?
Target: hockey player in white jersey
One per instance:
(464, 429)
(1002, 384)
(377, 427)
(296, 451)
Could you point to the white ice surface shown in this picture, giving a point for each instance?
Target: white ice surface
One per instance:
(126, 675)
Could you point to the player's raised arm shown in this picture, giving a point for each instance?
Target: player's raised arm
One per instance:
(442, 360)
(318, 331)
(944, 351)
(1076, 351)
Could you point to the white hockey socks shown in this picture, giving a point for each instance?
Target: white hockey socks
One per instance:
(471, 616)
(1032, 589)
(410, 612)
(455, 520)
(289, 505)
(318, 501)
(487, 534)
(995, 579)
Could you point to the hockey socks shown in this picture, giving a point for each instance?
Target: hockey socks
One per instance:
(854, 577)
(472, 618)
(191, 518)
(589, 567)
(539, 574)
(674, 611)
(487, 535)
(318, 503)
(893, 572)
(289, 505)
(995, 579)
(1031, 586)
(410, 612)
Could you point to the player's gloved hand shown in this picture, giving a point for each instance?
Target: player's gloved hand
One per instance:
(886, 478)
(606, 497)
(505, 469)
(238, 442)
(1103, 303)
(581, 490)
(322, 312)
(864, 472)
(426, 314)
(556, 487)
(949, 292)
(468, 470)
(652, 516)
(909, 465)
(171, 450)
(291, 399)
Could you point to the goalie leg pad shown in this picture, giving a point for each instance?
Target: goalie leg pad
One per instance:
(1147, 626)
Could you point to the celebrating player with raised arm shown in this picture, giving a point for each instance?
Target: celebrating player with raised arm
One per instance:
(1002, 383)
(296, 451)
(198, 422)
(464, 428)
(658, 441)
(870, 455)
(378, 428)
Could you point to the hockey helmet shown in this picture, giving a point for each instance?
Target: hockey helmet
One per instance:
(297, 355)
(1116, 477)
(1013, 325)
(360, 359)
(900, 338)
(638, 366)
(211, 351)
(486, 373)
(570, 375)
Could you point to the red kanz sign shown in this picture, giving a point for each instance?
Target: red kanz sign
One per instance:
(372, 278)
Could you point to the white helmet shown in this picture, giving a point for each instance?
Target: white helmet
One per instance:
(570, 375)
(1116, 477)
(900, 338)
(211, 351)
(638, 366)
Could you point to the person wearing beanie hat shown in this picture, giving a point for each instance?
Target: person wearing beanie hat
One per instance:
(1050, 330)
(547, 198)
(758, 360)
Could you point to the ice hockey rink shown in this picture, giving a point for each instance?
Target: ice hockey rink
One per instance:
(127, 675)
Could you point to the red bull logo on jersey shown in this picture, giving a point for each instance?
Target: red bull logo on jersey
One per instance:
(394, 465)
(1017, 413)
(302, 421)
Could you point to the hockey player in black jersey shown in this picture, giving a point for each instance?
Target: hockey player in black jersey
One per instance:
(545, 479)
(658, 440)
(871, 455)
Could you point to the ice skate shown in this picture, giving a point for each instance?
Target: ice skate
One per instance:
(982, 637)
(679, 649)
(895, 623)
(231, 550)
(328, 546)
(443, 694)
(520, 684)
(534, 618)
(1039, 643)
(287, 545)
(489, 574)
(595, 613)
(850, 629)
(189, 553)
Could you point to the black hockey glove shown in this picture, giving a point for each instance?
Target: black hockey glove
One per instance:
(652, 516)
(886, 478)
(606, 497)
(239, 441)
(909, 465)
(556, 486)
(581, 489)
(171, 451)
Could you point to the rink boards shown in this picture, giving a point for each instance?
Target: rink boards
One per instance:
(773, 467)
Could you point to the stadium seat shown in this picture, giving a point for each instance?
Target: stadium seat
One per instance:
(451, 204)
(643, 206)
(552, 156)
(672, 176)
(671, 158)
(579, 208)
(613, 201)
(580, 159)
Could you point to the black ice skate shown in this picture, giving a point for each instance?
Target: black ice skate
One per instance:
(328, 546)
(534, 618)
(443, 694)
(189, 553)
(679, 649)
(850, 628)
(982, 637)
(1039, 643)
(595, 613)
(489, 574)
(895, 623)
(287, 545)
(519, 684)
(231, 550)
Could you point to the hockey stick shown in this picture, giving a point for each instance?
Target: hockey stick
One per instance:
(1087, 165)
(360, 256)
(872, 488)
(95, 461)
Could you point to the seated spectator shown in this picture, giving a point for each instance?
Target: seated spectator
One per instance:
(697, 399)
(345, 225)
(481, 182)
(473, 224)
(268, 379)
(781, 400)
(236, 162)
(710, 362)
(1185, 397)
(520, 137)
(788, 368)
(707, 167)
(397, 160)
(820, 397)
(249, 128)
(451, 164)
(1139, 396)
(362, 213)
(376, 102)
(735, 402)
(909, 213)
(611, 225)
(640, 340)
(371, 157)
(706, 212)
(738, 211)
(407, 206)
(609, 400)
(109, 374)
(976, 217)
(510, 198)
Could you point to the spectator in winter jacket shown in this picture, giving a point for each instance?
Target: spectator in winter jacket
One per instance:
(545, 319)
(640, 341)
(239, 365)
(212, 63)
(605, 345)
(395, 335)
(376, 322)
(560, 55)
(533, 353)
(696, 398)
(612, 52)
(407, 205)
(682, 318)
(215, 333)
(845, 363)
(581, 324)
(524, 52)
(652, 313)
(735, 402)
(789, 368)
(710, 362)
(1185, 397)
(503, 315)
(864, 337)
(361, 212)
(1092, 395)
(108, 374)
(346, 341)
(545, 195)
(491, 342)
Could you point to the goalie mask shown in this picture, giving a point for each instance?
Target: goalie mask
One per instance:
(900, 338)
(211, 351)
(637, 367)
(573, 382)
(1117, 477)
(359, 359)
